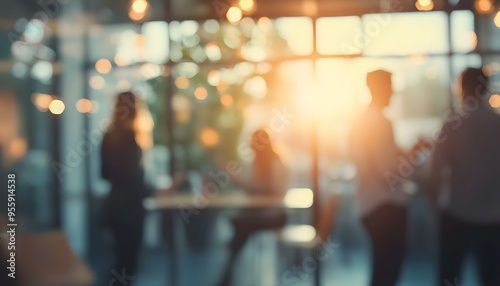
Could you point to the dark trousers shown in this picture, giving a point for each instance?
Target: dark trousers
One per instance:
(124, 217)
(386, 227)
(458, 238)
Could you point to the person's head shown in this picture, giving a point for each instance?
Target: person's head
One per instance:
(261, 141)
(380, 84)
(125, 111)
(473, 82)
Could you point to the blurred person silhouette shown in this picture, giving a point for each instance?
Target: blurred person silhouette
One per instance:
(467, 159)
(383, 204)
(121, 165)
(268, 176)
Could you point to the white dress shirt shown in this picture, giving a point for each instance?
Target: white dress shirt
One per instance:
(376, 157)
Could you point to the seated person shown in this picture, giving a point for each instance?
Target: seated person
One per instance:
(269, 176)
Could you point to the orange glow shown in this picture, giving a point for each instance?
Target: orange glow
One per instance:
(84, 105)
(138, 10)
(140, 6)
(247, 5)
(182, 116)
(222, 86)
(182, 82)
(57, 106)
(497, 19)
(209, 137)
(234, 15)
(483, 6)
(226, 100)
(103, 66)
(18, 148)
(495, 101)
(310, 8)
(424, 5)
(201, 93)
(42, 101)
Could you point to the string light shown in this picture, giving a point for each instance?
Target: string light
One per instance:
(138, 10)
(483, 6)
(234, 15)
(424, 5)
(246, 5)
(56, 107)
(103, 66)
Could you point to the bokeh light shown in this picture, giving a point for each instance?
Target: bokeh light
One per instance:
(247, 5)
(138, 10)
(483, 6)
(97, 82)
(424, 5)
(495, 101)
(56, 106)
(209, 137)
(182, 82)
(103, 66)
(234, 15)
(201, 93)
(42, 101)
(84, 105)
(226, 100)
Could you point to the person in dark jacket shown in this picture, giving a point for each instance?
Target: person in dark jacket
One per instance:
(121, 166)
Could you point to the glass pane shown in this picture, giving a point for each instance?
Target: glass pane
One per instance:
(249, 40)
(405, 33)
(420, 96)
(489, 34)
(339, 35)
(298, 34)
(463, 37)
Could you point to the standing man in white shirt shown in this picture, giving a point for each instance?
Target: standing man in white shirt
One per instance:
(467, 158)
(382, 203)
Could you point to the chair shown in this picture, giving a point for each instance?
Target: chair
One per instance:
(308, 237)
(47, 260)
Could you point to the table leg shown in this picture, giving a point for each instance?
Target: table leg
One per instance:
(171, 239)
